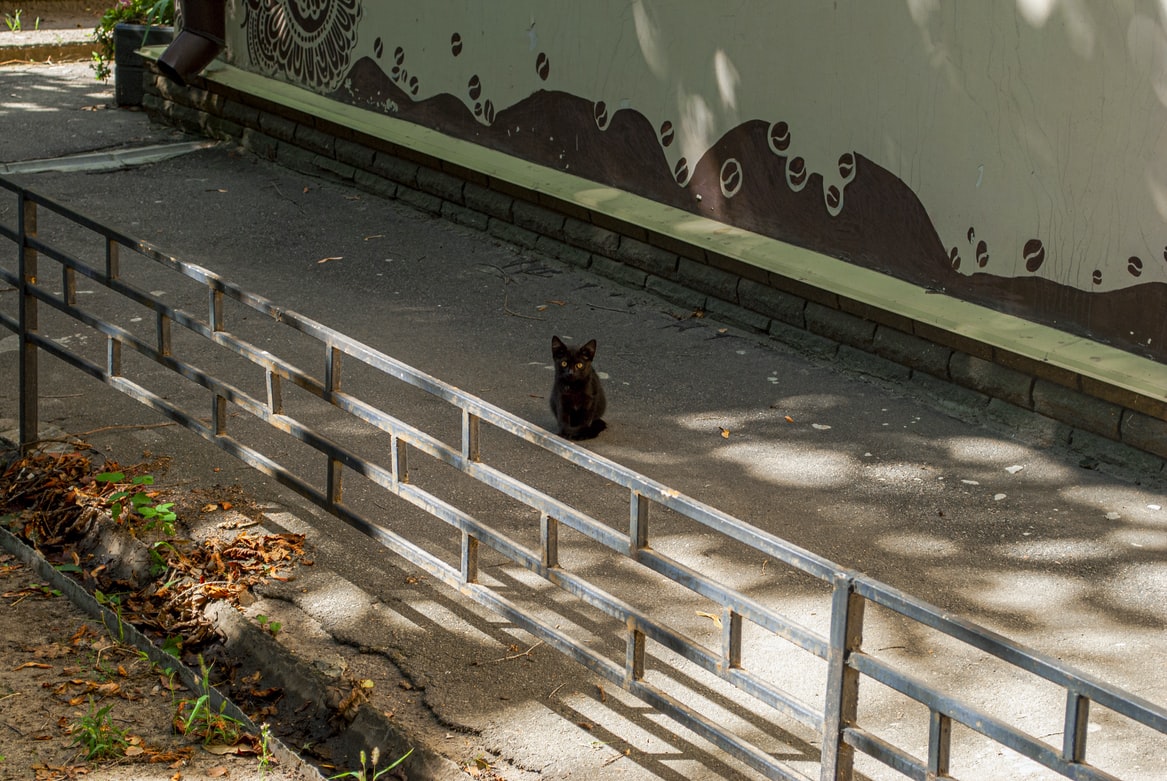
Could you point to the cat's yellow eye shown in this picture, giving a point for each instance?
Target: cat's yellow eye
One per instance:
(579, 366)
(563, 364)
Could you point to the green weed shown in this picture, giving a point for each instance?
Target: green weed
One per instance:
(196, 718)
(129, 501)
(268, 625)
(369, 771)
(96, 733)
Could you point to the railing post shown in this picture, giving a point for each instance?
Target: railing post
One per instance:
(29, 421)
(471, 450)
(637, 524)
(469, 558)
(939, 744)
(549, 540)
(1077, 722)
(842, 702)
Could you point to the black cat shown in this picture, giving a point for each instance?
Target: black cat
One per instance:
(577, 398)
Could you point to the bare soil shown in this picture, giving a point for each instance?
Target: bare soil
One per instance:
(59, 668)
(52, 14)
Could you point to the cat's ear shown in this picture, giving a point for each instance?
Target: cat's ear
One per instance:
(588, 350)
(557, 347)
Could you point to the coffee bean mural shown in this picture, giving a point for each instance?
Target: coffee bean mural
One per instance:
(1034, 255)
(796, 173)
(731, 177)
(847, 166)
(666, 138)
(601, 113)
(779, 137)
(874, 221)
(834, 200)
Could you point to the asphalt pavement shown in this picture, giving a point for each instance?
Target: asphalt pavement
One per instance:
(901, 482)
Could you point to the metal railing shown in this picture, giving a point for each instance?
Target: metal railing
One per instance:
(835, 722)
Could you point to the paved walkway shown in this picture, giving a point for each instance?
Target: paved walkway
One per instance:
(909, 488)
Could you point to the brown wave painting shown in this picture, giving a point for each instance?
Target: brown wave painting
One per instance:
(747, 180)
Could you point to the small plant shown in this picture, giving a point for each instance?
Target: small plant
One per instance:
(196, 718)
(266, 757)
(159, 563)
(96, 733)
(14, 23)
(369, 771)
(149, 12)
(45, 590)
(172, 645)
(114, 603)
(156, 516)
(268, 625)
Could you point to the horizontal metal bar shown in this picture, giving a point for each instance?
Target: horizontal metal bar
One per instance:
(878, 748)
(485, 473)
(757, 613)
(1102, 693)
(991, 727)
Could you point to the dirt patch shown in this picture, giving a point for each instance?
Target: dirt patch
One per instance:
(63, 679)
(49, 15)
(60, 669)
(197, 583)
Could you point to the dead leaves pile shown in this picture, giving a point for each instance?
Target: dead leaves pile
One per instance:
(57, 496)
(60, 504)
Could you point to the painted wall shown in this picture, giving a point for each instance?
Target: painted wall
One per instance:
(1011, 152)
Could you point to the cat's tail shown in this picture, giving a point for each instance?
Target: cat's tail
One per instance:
(597, 426)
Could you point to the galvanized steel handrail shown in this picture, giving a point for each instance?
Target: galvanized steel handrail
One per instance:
(847, 662)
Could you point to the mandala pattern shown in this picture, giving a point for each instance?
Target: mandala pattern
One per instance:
(308, 42)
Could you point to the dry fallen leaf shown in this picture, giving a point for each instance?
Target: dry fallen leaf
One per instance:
(716, 619)
(222, 750)
(789, 419)
(325, 260)
(724, 432)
